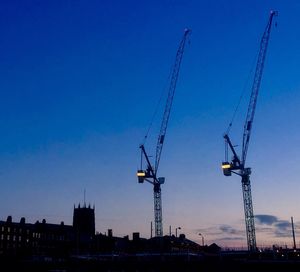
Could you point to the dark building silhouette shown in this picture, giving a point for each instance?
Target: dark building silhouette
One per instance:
(41, 246)
(51, 240)
(45, 241)
(42, 239)
(84, 227)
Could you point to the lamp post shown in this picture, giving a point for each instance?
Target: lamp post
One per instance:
(176, 230)
(202, 239)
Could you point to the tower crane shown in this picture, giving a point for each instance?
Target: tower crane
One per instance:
(150, 174)
(237, 164)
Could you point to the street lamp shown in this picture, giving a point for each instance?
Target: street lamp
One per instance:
(176, 230)
(202, 239)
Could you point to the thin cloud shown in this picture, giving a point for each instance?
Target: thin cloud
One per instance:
(268, 225)
(231, 239)
(222, 233)
(278, 228)
(220, 230)
(230, 230)
(214, 231)
(283, 229)
(283, 225)
(266, 219)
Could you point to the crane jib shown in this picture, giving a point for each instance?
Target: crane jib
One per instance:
(249, 125)
(161, 139)
(256, 86)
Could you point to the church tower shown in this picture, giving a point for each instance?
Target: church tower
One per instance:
(84, 227)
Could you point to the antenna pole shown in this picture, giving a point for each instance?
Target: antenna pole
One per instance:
(84, 198)
(293, 230)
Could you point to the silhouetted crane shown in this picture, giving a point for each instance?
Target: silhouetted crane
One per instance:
(237, 165)
(150, 174)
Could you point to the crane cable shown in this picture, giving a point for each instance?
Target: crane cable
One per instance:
(156, 109)
(242, 94)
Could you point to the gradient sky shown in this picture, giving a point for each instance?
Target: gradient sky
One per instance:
(78, 87)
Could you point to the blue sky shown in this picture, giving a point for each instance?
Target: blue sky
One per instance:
(78, 87)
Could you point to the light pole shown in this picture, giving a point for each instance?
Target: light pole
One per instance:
(202, 239)
(176, 230)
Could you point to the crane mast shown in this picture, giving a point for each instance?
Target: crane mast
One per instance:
(150, 174)
(237, 165)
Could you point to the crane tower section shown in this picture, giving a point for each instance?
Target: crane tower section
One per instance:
(237, 165)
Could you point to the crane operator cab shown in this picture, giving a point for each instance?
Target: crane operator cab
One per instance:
(141, 174)
(226, 168)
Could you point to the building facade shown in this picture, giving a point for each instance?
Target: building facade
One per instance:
(42, 240)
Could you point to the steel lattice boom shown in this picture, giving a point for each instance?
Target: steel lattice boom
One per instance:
(236, 165)
(150, 174)
(255, 86)
(172, 87)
